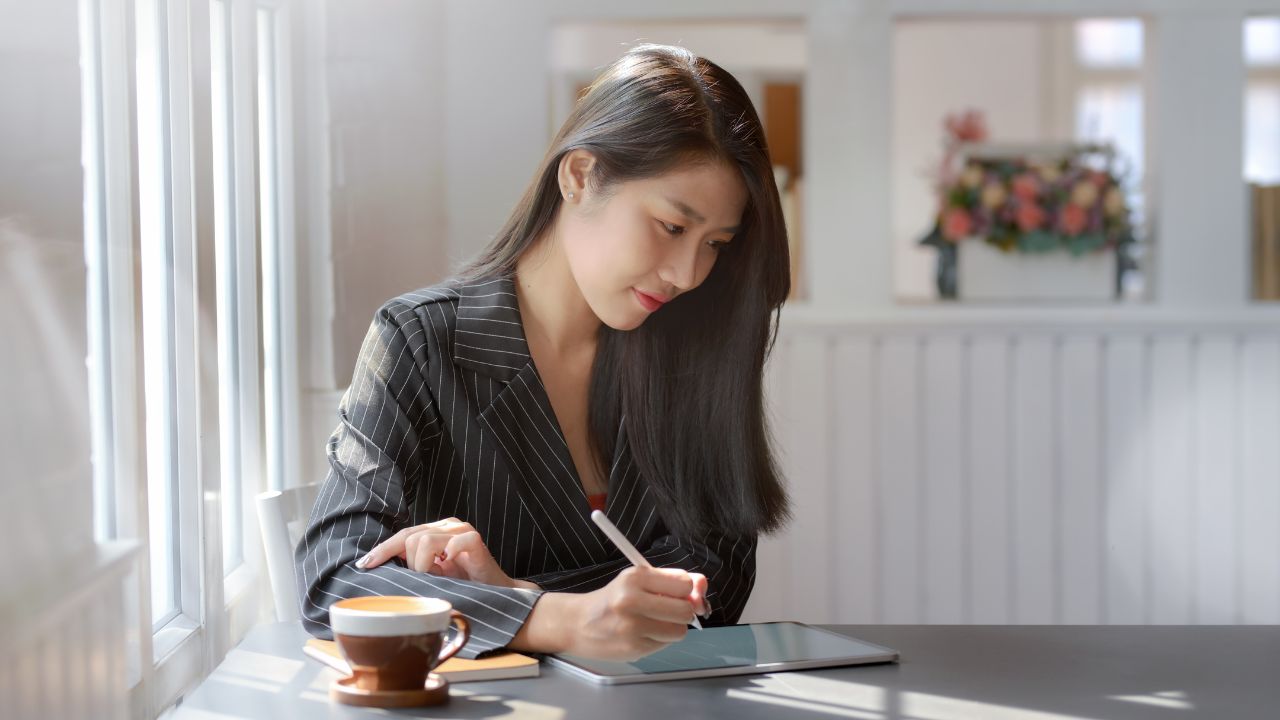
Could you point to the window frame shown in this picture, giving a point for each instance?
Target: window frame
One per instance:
(115, 368)
(214, 611)
(281, 367)
(180, 647)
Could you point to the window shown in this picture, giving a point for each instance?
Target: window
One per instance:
(1262, 100)
(276, 284)
(251, 239)
(1109, 43)
(158, 342)
(104, 240)
(205, 159)
(229, 331)
(1262, 152)
(1108, 101)
(1108, 94)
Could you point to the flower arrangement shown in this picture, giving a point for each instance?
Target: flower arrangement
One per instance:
(1018, 203)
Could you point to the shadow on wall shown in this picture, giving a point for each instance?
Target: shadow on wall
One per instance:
(44, 381)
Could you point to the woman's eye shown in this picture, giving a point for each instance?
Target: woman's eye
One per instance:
(717, 245)
(672, 229)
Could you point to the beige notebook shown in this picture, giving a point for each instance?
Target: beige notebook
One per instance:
(502, 666)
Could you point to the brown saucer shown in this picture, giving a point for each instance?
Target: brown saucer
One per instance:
(435, 692)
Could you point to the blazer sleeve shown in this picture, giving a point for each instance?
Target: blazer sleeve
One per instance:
(729, 562)
(388, 421)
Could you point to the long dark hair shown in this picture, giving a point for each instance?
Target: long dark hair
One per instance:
(689, 381)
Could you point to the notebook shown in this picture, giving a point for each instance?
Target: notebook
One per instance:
(500, 666)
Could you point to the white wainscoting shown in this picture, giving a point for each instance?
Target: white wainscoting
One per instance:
(64, 641)
(1055, 467)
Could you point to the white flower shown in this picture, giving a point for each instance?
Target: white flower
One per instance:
(1084, 194)
(972, 176)
(993, 195)
(1113, 202)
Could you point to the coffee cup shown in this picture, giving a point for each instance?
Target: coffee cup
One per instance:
(393, 642)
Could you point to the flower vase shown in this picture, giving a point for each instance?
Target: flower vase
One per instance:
(984, 272)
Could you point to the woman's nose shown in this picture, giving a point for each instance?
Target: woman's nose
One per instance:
(681, 264)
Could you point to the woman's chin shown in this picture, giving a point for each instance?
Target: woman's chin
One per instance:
(624, 323)
(623, 319)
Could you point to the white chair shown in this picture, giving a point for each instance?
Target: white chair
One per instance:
(282, 516)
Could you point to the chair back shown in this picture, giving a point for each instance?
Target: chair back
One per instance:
(282, 517)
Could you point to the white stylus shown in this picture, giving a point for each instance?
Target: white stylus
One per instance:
(625, 546)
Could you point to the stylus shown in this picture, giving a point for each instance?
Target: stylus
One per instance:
(625, 546)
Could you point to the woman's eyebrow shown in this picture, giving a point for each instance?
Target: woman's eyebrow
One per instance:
(696, 216)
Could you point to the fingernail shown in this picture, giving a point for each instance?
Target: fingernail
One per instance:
(362, 561)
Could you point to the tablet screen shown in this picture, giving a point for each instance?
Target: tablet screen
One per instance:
(737, 646)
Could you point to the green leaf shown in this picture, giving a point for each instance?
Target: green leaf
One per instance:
(934, 238)
(1038, 241)
(1084, 243)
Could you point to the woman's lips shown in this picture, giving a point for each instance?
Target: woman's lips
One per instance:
(649, 302)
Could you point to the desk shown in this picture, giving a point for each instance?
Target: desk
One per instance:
(946, 673)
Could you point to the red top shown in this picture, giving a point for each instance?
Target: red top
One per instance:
(597, 501)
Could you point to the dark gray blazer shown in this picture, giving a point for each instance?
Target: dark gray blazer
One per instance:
(446, 416)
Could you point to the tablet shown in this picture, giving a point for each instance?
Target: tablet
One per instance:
(733, 650)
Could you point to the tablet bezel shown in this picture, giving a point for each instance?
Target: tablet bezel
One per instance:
(889, 655)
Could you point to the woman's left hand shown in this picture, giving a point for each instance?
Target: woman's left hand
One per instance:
(448, 547)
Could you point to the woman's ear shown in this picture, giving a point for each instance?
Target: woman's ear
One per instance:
(575, 169)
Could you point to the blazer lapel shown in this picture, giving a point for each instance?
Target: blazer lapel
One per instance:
(490, 339)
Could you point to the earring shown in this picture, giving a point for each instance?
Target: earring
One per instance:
(570, 196)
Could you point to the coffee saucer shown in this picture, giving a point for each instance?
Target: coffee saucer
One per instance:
(435, 692)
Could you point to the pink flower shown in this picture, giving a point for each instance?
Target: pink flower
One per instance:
(956, 224)
(1030, 216)
(1073, 219)
(968, 126)
(1026, 187)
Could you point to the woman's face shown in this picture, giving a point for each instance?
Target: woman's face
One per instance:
(650, 240)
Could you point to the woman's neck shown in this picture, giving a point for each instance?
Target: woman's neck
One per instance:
(555, 315)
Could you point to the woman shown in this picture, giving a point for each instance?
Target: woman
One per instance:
(606, 350)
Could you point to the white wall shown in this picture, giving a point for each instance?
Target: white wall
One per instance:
(384, 73)
(755, 52)
(45, 426)
(943, 67)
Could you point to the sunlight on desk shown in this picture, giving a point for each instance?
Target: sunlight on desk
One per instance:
(923, 706)
(261, 666)
(207, 715)
(1172, 699)
(519, 708)
(798, 691)
(258, 671)
(833, 697)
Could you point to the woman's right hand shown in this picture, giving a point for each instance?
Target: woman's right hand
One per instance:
(639, 612)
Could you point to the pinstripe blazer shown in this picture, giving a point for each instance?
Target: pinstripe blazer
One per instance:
(446, 416)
